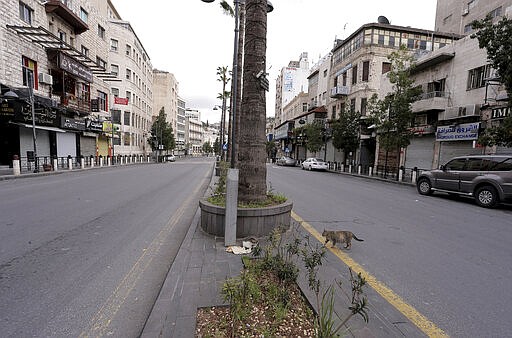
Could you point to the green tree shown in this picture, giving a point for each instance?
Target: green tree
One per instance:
(207, 148)
(162, 133)
(314, 136)
(270, 148)
(497, 40)
(393, 116)
(216, 146)
(345, 130)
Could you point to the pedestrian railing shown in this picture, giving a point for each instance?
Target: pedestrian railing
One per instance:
(23, 165)
(401, 174)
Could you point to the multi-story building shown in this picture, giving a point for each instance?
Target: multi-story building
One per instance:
(179, 131)
(165, 95)
(291, 81)
(132, 104)
(55, 52)
(85, 68)
(462, 94)
(457, 16)
(193, 132)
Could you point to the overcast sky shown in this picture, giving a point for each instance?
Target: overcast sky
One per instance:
(191, 38)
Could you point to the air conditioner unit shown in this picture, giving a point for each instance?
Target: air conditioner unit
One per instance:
(465, 11)
(45, 78)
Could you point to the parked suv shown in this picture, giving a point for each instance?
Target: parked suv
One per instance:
(487, 178)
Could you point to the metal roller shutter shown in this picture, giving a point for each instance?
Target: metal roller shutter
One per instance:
(88, 146)
(457, 148)
(420, 153)
(503, 150)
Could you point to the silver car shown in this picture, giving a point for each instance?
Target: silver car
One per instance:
(314, 164)
(486, 178)
(286, 161)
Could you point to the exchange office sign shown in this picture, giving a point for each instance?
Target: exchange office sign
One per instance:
(499, 113)
(93, 125)
(74, 67)
(461, 132)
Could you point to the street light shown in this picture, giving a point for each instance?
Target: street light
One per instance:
(270, 8)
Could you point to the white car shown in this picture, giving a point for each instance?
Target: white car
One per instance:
(314, 164)
(170, 158)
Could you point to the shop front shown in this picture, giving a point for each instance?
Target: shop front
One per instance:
(456, 140)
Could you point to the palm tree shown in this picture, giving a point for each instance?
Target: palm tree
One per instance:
(223, 77)
(251, 155)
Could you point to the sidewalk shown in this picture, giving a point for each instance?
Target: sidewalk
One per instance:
(201, 267)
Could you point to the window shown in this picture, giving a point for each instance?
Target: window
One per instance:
(304, 107)
(115, 92)
(391, 41)
(101, 32)
(62, 35)
(344, 79)
(129, 96)
(474, 164)
(468, 28)
(126, 118)
(126, 139)
(325, 73)
(116, 116)
(29, 68)
(128, 74)
(114, 45)
(85, 50)
(366, 70)
(502, 166)
(83, 14)
(26, 13)
(333, 113)
(128, 50)
(364, 103)
(102, 100)
(352, 105)
(477, 76)
(114, 70)
(457, 164)
(495, 13)
(386, 67)
(354, 75)
(100, 62)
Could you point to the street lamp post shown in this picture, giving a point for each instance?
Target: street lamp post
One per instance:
(32, 109)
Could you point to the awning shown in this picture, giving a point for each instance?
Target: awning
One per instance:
(48, 40)
(40, 127)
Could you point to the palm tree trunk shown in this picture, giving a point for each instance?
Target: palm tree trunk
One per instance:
(239, 75)
(251, 155)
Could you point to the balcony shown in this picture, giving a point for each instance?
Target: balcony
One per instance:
(340, 91)
(80, 103)
(63, 11)
(436, 100)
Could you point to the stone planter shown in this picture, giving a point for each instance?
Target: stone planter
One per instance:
(257, 222)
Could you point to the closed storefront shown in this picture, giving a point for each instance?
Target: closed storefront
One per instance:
(88, 144)
(457, 148)
(66, 144)
(420, 152)
(42, 142)
(103, 145)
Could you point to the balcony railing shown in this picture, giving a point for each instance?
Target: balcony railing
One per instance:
(435, 100)
(431, 95)
(81, 103)
(340, 91)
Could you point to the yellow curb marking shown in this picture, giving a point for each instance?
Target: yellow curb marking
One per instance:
(101, 321)
(422, 322)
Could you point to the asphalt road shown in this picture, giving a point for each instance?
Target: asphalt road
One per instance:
(448, 258)
(85, 253)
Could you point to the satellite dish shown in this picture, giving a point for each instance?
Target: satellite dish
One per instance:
(383, 19)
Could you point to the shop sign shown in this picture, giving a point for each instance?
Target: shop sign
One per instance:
(461, 132)
(120, 100)
(7, 109)
(75, 68)
(499, 113)
(422, 130)
(69, 123)
(93, 125)
(44, 116)
(95, 105)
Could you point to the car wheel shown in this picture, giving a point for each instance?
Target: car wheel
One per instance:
(486, 196)
(424, 186)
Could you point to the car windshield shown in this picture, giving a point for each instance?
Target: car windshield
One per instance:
(318, 160)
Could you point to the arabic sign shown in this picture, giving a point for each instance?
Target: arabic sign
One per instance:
(93, 125)
(74, 67)
(461, 132)
(44, 116)
(69, 123)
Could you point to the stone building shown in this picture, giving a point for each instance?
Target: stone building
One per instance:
(131, 106)
(72, 57)
(165, 95)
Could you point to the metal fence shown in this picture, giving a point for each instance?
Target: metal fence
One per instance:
(24, 165)
(401, 174)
